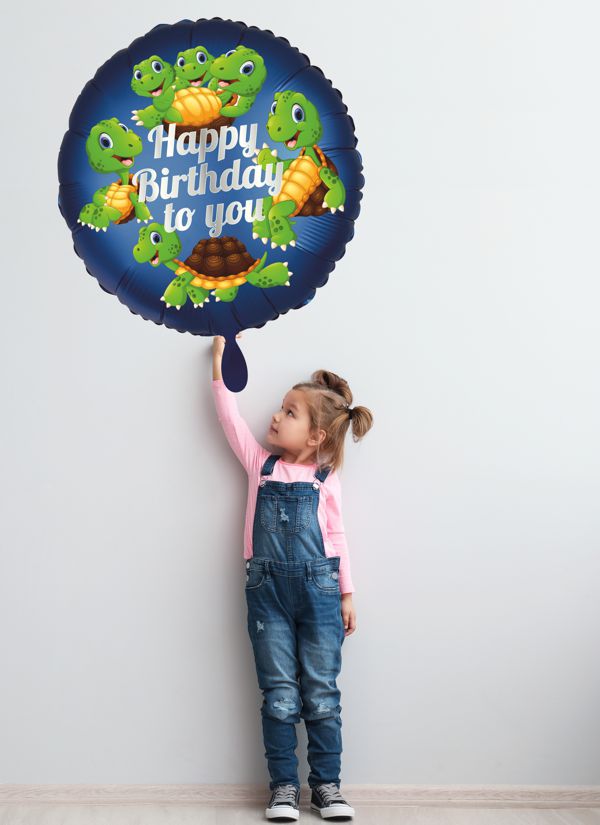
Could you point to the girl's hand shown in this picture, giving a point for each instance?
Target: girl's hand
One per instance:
(217, 351)
(348, 613)
(219, 343)
(218, 346)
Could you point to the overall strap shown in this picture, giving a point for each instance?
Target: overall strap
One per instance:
(267, 467)
(321, 475)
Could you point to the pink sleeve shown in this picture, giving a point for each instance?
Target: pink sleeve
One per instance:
(238, 434)
(335, 530)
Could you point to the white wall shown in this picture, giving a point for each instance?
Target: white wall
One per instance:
(471, 509)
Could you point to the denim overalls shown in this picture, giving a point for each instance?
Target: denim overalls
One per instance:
(296, 628)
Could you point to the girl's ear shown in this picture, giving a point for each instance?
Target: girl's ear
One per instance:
(319, 439)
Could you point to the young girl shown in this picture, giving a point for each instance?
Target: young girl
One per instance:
(298, 584)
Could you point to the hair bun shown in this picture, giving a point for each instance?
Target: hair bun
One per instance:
(332, 381)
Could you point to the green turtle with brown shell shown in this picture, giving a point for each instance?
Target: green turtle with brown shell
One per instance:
(217, 266)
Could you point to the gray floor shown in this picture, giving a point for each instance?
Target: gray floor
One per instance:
(194, 814)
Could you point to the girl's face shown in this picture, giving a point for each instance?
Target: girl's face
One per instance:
(290, 425)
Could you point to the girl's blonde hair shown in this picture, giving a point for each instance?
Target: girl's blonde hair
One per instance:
(329, 400)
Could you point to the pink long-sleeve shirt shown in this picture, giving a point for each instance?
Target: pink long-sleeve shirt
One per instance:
(252, 456)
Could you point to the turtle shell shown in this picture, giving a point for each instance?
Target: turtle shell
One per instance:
(314, 205)
(118, 196)
(298, 181)
(220, 257)
(199, 108)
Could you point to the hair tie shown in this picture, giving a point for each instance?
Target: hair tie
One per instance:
(350, 412)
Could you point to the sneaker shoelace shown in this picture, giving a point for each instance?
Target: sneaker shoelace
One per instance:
(285, 793)
(331, 792)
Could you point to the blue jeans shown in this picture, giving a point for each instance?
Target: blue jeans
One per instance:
(296, 629)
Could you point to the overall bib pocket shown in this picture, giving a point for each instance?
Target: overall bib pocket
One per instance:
(285, 514)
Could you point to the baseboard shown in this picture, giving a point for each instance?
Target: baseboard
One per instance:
(452, 796)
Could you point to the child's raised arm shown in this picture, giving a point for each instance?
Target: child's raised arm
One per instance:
(242, 442)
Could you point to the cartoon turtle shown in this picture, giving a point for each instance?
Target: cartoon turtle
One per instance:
(237, 77)
(310, 184)
(112, 147)
(217, 265)
(192, 68)
(190, 108)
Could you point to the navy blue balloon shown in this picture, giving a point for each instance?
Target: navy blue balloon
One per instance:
(321, 241)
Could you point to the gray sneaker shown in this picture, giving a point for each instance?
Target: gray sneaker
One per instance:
(284, 804)
(328, 800)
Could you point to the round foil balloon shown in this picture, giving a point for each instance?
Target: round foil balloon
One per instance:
(210, 179)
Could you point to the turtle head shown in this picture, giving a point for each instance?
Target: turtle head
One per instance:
(194, 65)
(155, 245)
(111, 146)
(242, 69)
(152, 77)
(294, 120)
